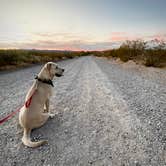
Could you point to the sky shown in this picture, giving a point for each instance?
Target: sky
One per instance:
(79, 24)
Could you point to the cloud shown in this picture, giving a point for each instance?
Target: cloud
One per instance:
(122, 36)
(53, 34)
(62, 41)
(157, 36)
(61, 36)
(69, 45)
(69, 41)
(118, 33)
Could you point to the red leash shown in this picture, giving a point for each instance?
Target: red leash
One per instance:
(27, 104)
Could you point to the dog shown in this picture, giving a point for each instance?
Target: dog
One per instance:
(37, 113)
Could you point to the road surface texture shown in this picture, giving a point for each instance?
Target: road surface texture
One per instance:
(107, 114)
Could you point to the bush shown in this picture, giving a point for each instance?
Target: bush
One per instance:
(156, 58)
(17, 57)
(137, 51)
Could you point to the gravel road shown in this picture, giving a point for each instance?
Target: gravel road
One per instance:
(107, 114)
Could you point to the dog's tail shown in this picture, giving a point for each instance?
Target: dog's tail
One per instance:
(27, 141)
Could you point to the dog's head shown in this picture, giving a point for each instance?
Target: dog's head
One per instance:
(54, 70)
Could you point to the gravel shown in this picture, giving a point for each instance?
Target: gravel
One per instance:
(107, 114)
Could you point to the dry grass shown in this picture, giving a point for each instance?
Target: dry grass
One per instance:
(15, 58)
(139, 52)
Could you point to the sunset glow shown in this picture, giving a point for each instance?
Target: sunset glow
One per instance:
(79, 24)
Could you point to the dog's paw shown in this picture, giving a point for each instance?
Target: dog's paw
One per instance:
(51, 115)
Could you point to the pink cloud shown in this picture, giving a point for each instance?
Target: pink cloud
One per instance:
(118, 33)
(121, 36)
(76, 45)
(62, 36)
(159, 37)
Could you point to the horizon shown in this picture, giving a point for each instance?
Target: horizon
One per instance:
(75, 25)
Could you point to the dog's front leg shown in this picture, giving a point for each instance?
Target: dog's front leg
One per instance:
(47, 105)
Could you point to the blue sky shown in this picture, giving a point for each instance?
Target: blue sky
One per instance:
(79, 24)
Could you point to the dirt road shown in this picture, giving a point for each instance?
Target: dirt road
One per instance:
(108, 114)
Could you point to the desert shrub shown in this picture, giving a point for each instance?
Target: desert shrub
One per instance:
(131, 50)
(16, 57)
(124, 53)
(156, 58)
(138, 51)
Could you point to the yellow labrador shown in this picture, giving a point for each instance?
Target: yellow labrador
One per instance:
(37, 113)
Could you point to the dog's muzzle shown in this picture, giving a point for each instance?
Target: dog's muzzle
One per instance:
(59, 75)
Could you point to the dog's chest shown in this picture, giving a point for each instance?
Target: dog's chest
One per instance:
(46, 91)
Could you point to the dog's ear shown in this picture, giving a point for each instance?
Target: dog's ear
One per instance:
(48, 66)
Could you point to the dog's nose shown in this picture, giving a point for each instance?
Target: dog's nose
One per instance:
(63, 70)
